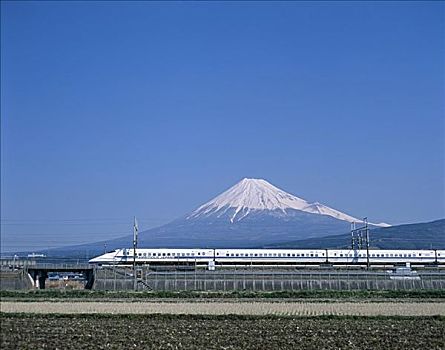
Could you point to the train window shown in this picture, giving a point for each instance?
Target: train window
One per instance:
(145, 254)
(420, 254)
(288, 254)
(256, 254)
(350, 254)
(372, 254)
(139, 254)
(188, 254)
(163, 254)
(149, 254)
(261, 254)
(302, 254)
(298, 255)
(293, 254)
(316, 254)
(168, 254)
(341, 254)
(390, 255)
(279, 254)
(154, 254)
(312, 254)
(237, 254)
(409, 255)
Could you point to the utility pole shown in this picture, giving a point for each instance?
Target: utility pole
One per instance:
(358, 234)
(367, 241)
(135, 243)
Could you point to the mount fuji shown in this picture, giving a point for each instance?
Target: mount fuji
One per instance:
(253, 196)
(251, 213)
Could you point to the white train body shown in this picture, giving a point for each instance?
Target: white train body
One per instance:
(270, 256)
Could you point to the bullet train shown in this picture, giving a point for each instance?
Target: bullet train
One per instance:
(172, 256)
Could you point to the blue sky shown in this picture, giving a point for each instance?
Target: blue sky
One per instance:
(113, 109)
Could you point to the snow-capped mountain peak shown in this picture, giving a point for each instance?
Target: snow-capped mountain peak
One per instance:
(251, 195)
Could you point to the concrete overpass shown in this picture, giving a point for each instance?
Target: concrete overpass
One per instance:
(39, 272)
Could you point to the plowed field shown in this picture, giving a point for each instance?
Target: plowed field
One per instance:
(218, 332)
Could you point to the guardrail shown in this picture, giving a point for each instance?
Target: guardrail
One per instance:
(49, 266)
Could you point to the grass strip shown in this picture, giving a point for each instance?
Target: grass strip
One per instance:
(296, 294)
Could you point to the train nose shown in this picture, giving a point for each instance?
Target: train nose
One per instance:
(96, 260)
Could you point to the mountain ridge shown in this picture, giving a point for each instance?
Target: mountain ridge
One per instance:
(404, 236)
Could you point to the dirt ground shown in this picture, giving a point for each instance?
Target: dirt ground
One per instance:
(223, 308)
(218, 332)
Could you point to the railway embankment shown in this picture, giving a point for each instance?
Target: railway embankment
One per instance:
(271, 280)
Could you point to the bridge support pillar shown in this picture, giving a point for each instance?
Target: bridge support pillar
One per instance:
(89, 275)
(42, 277)
(38, 277)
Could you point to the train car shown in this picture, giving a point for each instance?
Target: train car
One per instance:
(155, 256)
(379, 257)
(269, 256)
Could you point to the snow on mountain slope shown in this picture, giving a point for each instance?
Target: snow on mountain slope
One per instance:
(250, 195)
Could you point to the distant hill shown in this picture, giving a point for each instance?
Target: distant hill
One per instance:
(410, 236)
